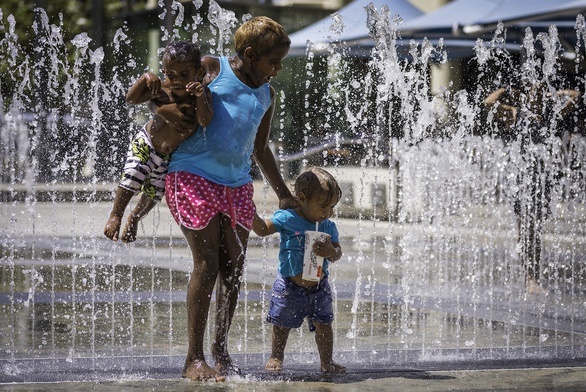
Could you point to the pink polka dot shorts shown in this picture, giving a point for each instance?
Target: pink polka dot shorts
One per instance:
(194, 201)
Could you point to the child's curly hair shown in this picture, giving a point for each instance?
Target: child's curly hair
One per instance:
(183, 52)
(316, 182)
(262, 34)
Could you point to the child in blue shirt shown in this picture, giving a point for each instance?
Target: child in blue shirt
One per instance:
(294, 298)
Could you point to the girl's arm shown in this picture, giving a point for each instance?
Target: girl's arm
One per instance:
(494, 96)
(266, 160)
(203, 106)
(211, 66)
(172, 114)
(203, 102)
(262, 227)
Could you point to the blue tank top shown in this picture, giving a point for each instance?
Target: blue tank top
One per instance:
(222, 152)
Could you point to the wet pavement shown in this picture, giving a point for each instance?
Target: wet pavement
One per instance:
(534, 377)
(300, 374)
(390, 368)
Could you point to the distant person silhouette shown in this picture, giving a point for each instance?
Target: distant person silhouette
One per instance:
(526, 115)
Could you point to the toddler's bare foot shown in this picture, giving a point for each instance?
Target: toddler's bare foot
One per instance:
(199, 370)
(112, 228)
(274, 365)
(130, 230)
(333, 368)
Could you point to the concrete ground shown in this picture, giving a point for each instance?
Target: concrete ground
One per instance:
(563, 375)
(362, 380)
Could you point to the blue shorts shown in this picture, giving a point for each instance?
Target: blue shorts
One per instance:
(290, 303)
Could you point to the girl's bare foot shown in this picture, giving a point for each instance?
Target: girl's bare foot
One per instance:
(200, 371)
(130, 230)
(228, 369)
(112, 228)
(333, 368)
(274, 365)
(224, 364)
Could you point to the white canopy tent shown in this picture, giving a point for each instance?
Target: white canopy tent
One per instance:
(470, 17)
(353, 17)
(459, 23)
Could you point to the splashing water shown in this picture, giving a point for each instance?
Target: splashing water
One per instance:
(441, 204)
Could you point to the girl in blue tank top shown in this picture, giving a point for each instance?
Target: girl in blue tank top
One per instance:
(209, 187)
(222, 152)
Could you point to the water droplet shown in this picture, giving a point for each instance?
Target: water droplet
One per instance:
(407, 331)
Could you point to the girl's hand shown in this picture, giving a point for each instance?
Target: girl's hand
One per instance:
(262, 227)
(195, 88)
(153, 83)
(288, 202)
(172, 114)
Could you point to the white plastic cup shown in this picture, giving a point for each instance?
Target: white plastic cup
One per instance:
(312, 263)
